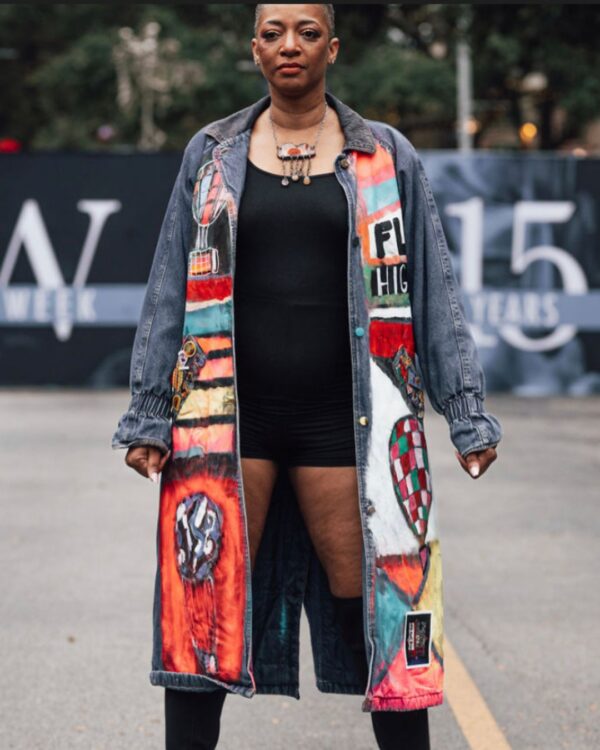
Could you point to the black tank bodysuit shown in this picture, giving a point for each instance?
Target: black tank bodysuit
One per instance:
(290, 293)
(292, 343)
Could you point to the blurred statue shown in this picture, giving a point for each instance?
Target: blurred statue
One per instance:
(148, 71)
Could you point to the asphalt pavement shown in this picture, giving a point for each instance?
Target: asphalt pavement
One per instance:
(520, 558)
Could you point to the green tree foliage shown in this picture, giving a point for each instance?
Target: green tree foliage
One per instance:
(559, 41)
(58, 82)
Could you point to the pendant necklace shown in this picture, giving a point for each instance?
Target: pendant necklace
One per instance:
(296, 155)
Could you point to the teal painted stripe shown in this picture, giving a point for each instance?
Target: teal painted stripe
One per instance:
(207, 320)
(381, 195)
(391, 605)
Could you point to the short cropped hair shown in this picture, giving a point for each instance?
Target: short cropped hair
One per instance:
(329, 14)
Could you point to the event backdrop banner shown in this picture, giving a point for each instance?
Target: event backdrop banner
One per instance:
(78, 232)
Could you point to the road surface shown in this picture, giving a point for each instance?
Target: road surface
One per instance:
(520, 558)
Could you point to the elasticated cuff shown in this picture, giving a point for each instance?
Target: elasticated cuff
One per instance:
(471, 427)
(147, 421)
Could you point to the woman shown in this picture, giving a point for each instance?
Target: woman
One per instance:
(344, 303)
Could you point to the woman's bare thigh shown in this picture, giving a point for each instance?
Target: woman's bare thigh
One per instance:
(258, 476)
(328, 500)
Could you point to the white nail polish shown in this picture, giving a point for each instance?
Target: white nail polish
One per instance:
(154, 477)
(474, 470)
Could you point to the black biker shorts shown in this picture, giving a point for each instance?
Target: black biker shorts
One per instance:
(298, 433)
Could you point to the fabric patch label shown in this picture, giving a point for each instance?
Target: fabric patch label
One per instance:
(417, 639)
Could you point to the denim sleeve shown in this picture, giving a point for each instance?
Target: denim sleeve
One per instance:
(446, 352)
(157, 341)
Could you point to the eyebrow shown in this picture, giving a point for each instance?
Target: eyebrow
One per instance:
(300, 22)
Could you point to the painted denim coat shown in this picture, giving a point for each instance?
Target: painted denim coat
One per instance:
(215, 622)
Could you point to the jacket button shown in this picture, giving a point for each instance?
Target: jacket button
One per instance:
(363, 420)
(359, 331)
(344, 163)
(370, 509)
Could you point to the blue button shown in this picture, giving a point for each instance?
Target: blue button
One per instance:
(359, 331)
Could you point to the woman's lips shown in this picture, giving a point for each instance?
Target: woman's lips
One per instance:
(290, 68)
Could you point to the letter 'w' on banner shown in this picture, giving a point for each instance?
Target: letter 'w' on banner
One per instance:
(30, 233)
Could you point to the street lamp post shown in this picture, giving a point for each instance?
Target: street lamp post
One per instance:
(464, 86)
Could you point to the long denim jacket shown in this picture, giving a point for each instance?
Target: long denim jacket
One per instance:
(215, 622)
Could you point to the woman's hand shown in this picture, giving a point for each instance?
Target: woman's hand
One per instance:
(476, 463)
(147, 460)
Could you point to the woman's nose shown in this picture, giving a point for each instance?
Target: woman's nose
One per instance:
(289, 42)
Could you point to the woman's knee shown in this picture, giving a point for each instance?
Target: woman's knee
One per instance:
(345, 580)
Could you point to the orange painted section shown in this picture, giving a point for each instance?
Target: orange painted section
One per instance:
(216, 368)
(215, 438)
(186, 611)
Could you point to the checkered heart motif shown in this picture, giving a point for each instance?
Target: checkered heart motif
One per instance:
(410, 473)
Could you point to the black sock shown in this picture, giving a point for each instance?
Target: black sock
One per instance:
(193, 718)
(394, 730)
(401, 730)
(349, 615)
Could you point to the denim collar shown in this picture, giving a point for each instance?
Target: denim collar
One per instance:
(357, 134)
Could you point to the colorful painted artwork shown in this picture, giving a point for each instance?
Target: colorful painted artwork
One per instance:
(410, 471)
(209, 200)
(203, 545)
(198, 529)
(190, 360)
(202, 532)
(200, 616)
(392, 346)
(409, 381)
(380, 226)
(408, 658)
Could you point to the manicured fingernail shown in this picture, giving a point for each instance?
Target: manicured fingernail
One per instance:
(154, 477)
(474, 470)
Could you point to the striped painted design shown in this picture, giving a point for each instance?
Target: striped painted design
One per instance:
(377, 196)
(210, 289)
(211, 402)
(198, 441)
(205, 318)
(382, 194)
(214, 343)
(222, 367)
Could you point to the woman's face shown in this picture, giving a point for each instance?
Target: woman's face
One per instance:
(293, 47)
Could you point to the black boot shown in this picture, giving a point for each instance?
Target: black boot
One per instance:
(193, 718)
(394, 730)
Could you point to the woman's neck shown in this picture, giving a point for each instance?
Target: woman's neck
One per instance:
(298, 113)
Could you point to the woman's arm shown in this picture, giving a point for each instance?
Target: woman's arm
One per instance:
(147, 420)
(447, 355)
